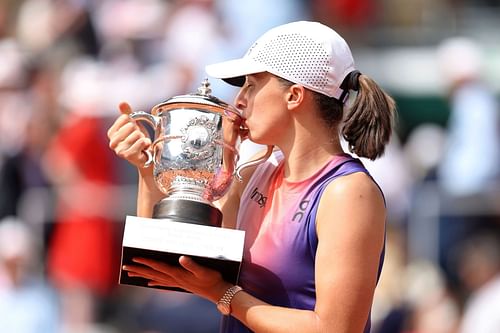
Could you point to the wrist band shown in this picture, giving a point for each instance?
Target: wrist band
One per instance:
(224, 304)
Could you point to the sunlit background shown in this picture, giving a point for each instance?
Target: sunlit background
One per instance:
(66, 64)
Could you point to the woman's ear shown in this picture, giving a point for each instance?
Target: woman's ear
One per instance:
(295, 95)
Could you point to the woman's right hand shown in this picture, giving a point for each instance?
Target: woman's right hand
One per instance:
(127, 139)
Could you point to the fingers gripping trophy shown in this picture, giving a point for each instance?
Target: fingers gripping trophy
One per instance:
(194, 152)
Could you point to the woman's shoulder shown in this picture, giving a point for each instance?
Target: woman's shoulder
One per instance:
(356, 181)
(354, 198)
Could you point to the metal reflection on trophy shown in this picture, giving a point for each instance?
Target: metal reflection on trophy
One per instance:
(195, 151)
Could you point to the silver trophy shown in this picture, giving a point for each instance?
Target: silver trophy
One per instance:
(195, 150)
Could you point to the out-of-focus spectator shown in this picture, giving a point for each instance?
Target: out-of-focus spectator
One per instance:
(25, 130)
(45, 25)
(30, 113)
(27, 303)
(24, 188)
(75, 25)
(433, 307)
(425, 304)
(188, 45)
(423, 151)
(14, 112)
(480, 273)
(469, 172)
(83, 254)
(472, 160)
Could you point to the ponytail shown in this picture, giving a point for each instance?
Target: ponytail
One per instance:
(369, 121)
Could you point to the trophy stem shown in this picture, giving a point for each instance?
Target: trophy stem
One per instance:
(188, 211)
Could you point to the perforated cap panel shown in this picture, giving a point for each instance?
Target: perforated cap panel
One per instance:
(307, 62)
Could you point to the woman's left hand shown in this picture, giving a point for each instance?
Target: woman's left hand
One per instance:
(190, 276)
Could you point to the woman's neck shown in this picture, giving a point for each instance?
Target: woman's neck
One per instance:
(308, 142)
(304, 159)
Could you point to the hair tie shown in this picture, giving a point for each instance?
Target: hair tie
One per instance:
(351, 82)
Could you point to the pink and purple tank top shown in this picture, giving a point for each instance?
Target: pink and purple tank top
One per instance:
(280, 241)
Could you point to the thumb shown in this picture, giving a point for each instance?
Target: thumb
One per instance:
(191, 265)
(125, 108)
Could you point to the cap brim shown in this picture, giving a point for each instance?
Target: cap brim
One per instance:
(234, 71)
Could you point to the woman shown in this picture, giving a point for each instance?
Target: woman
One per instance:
(314, 243)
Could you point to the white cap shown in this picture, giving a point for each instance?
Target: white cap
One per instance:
(303, 52)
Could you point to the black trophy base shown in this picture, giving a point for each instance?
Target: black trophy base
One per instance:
(188, 211)
(165, 240)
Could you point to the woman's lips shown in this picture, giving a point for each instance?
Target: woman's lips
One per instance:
(244, 131)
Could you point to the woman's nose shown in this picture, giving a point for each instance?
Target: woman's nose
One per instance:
(240, 101)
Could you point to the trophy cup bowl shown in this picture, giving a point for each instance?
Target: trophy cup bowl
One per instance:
(195, 150)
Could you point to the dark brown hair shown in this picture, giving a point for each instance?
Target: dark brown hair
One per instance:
(368, 122)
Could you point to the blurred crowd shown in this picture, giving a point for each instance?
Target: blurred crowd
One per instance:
(65, 65)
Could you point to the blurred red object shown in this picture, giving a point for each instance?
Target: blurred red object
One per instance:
(349, 13)
(83, 248)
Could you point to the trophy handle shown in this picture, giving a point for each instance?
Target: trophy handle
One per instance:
(154, 122)
(259, 160)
